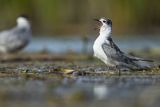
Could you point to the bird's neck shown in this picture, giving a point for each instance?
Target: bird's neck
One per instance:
(23, 24)
(105, 32)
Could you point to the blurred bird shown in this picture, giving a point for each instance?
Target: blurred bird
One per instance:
(17, 38)
(106, 50)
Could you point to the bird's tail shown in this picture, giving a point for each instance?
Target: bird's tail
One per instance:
(143, 64)
(135, 63)
(139, 65)
(146, 64)
(141, 59)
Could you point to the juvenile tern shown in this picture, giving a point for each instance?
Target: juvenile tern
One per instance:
(17, 38)
(107, 51)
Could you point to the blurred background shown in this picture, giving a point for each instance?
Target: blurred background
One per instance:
(67, 27)
(62, 18)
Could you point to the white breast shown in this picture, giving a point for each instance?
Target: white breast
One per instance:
(98, 50)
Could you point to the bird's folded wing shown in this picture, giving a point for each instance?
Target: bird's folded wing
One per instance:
(6, 37)
(138, 59)
(114, 52)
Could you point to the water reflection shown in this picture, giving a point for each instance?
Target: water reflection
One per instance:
(124, 91)
(103, 88)
(100, 91)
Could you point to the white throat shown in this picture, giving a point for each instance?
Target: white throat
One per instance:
(23, 22)
(105, 31)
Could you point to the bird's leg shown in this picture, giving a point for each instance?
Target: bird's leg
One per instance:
(118, 69)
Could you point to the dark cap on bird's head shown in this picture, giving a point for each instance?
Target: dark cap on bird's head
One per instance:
(104, 21)
(24, 16)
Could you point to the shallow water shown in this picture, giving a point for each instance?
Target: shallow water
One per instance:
(78, 45)
(124, 91)
(43, 83)
(36, 80)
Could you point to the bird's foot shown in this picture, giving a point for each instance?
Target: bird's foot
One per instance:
(118, 70)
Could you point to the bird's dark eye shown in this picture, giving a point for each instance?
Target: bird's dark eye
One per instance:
(104, 21)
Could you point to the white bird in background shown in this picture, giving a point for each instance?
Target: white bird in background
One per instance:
(106, 50)
(17, 38)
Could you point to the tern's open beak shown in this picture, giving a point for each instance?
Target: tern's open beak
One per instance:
(96, 20)
(99, 23)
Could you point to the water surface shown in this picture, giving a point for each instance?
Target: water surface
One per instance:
(79, 45)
